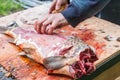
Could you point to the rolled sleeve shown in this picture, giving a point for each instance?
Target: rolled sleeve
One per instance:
(79, 10)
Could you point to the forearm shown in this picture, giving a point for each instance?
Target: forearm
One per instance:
(79, 10)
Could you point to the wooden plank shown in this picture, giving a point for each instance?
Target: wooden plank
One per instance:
(21, 67)
(110, 74)
(110, 29)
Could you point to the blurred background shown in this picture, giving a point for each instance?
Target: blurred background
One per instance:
(111, 12)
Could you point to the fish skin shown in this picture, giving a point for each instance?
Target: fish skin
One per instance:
(57, 62)
(3, 29)
(9, 27)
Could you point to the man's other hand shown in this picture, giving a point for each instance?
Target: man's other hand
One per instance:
(57, 4)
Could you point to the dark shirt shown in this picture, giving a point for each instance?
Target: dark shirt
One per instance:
(79, 10)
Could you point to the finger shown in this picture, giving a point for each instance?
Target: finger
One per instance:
(52, 27)
(58, 5)
(48, 21)
(52, 6)
(43, 29)
(35, 25)
(39, 28)
(45, 24)
(39, 24)
(49, 29)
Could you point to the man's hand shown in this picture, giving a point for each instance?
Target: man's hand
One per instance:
(49, 23)
(52, 21)
(57, 4)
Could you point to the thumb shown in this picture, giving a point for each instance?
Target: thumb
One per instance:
(58, 5)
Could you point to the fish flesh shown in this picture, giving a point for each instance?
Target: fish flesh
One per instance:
(59, 53)
(21, 67)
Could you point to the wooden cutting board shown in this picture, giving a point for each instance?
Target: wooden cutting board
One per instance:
(102, 29)
(21, 67)
(26, 69)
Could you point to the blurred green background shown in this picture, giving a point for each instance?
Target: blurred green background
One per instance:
(8, 7)
(111, 12)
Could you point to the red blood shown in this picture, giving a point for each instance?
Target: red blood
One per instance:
(86, 63)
